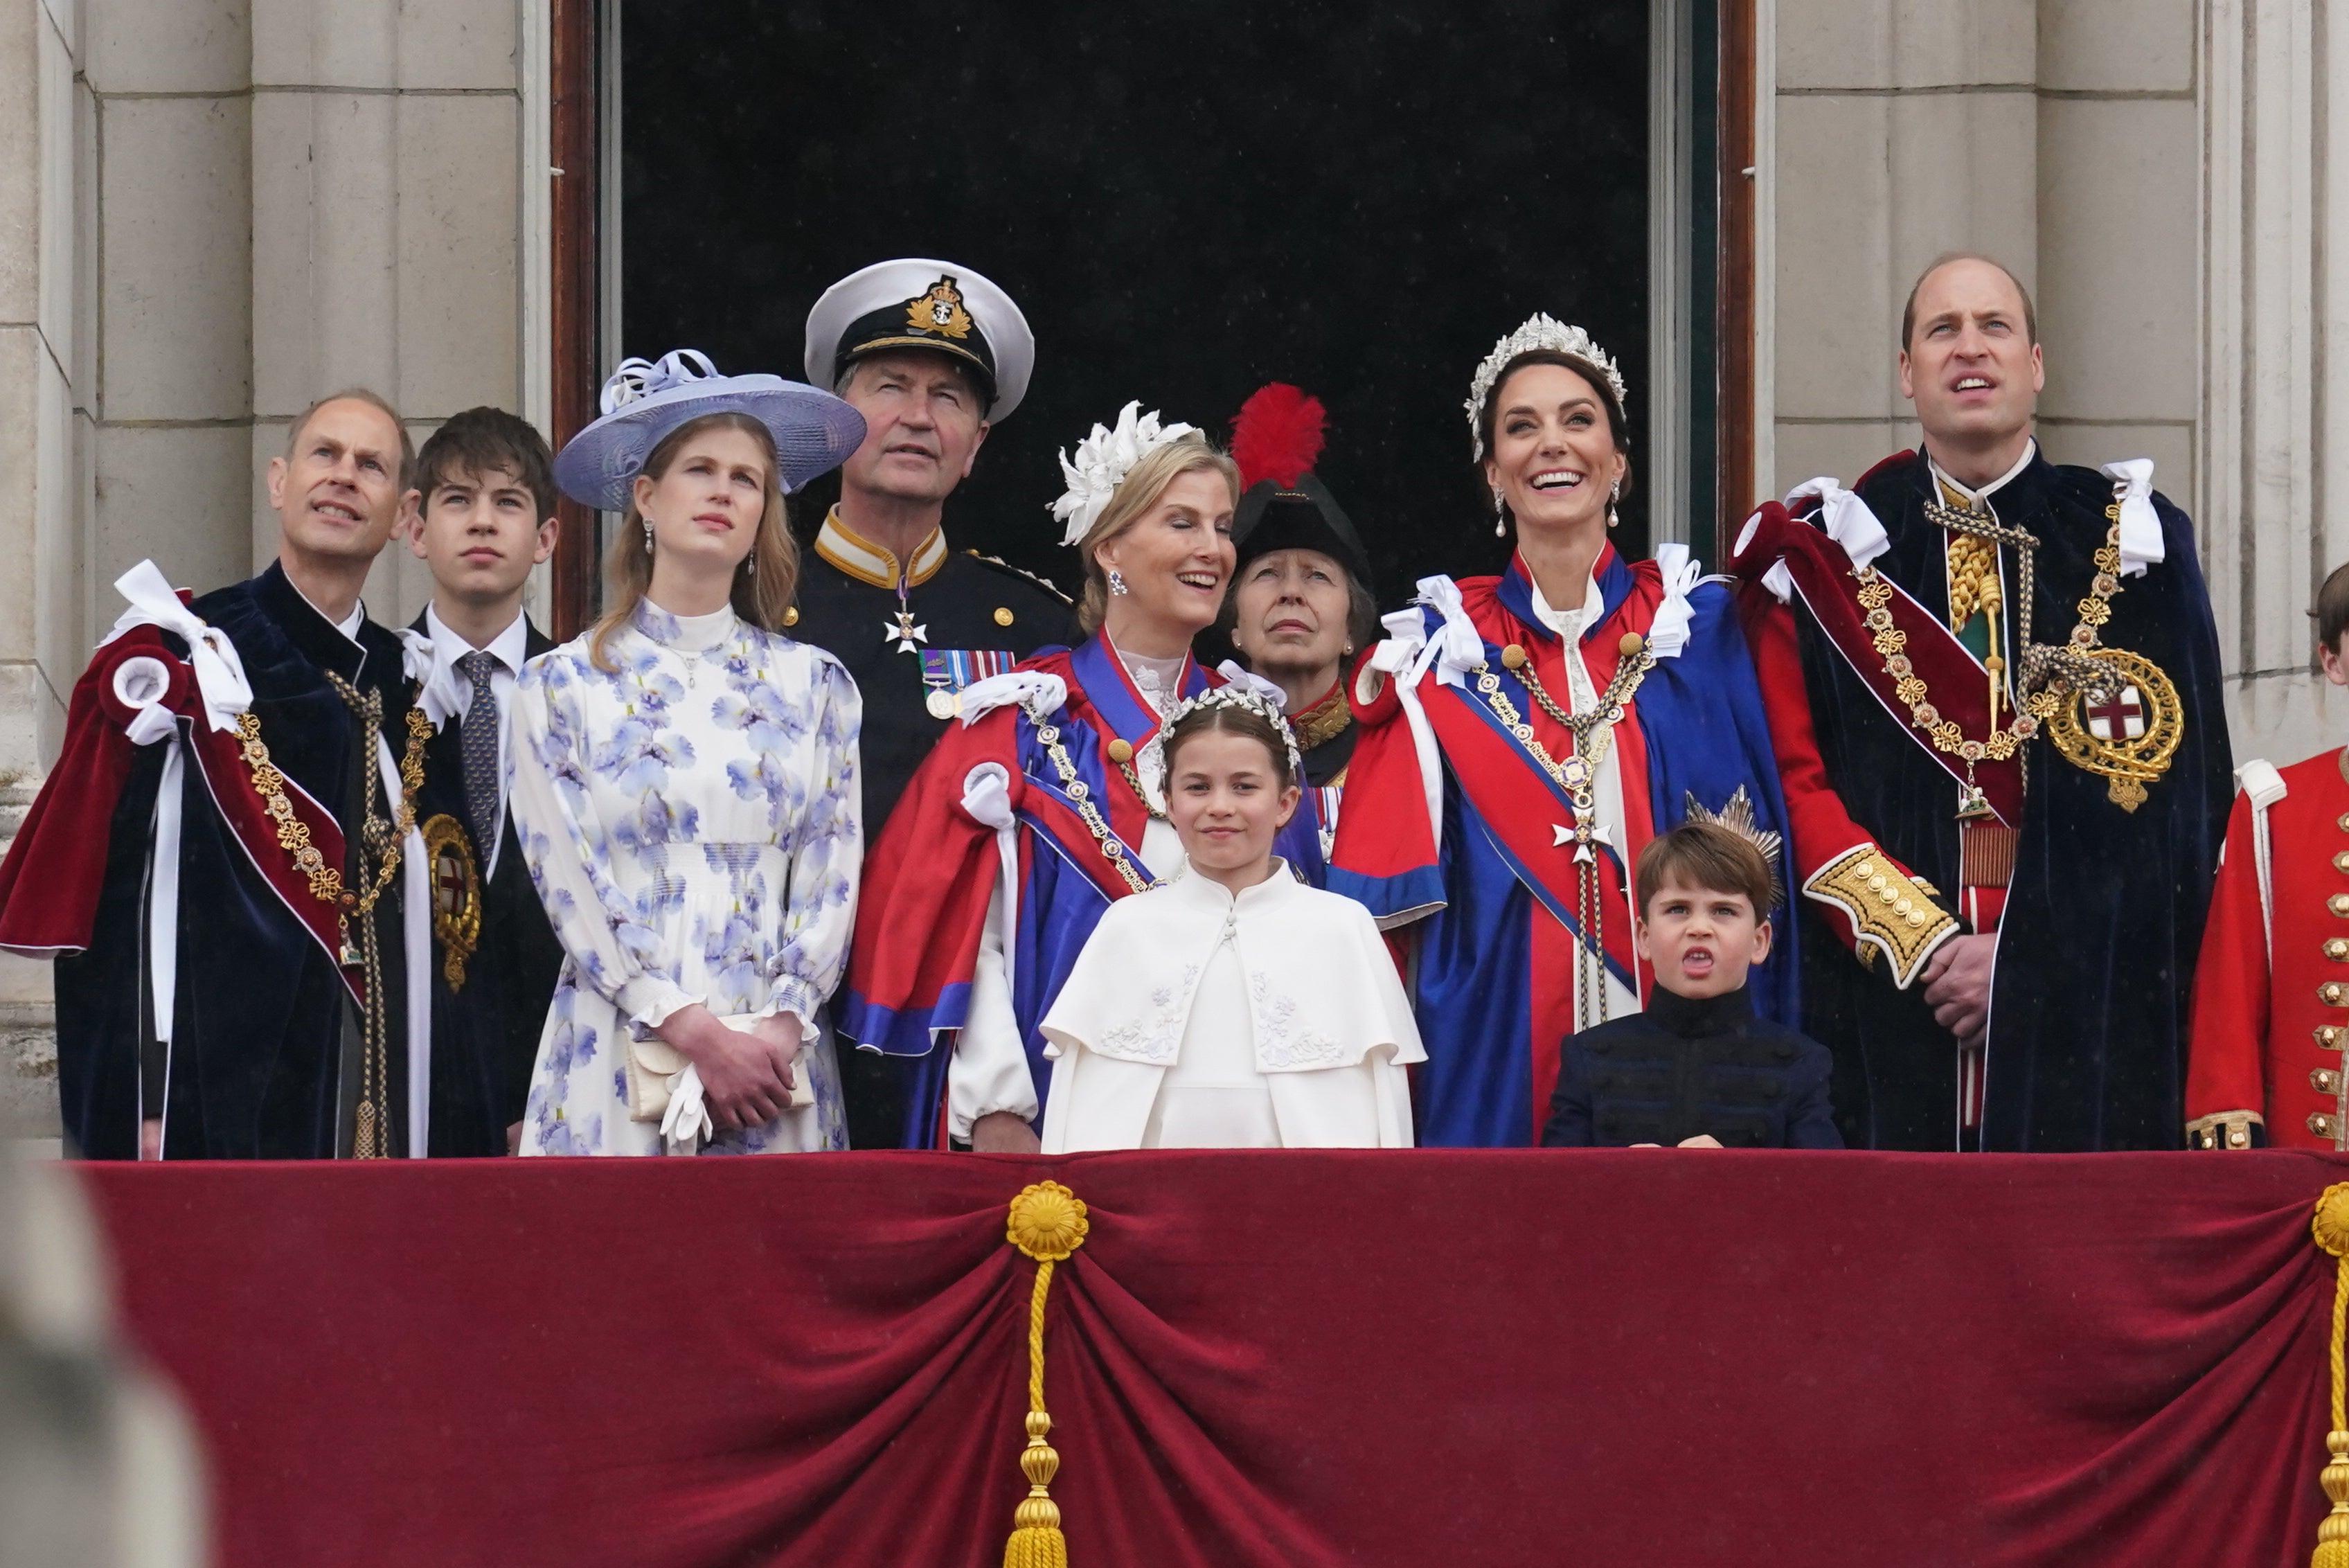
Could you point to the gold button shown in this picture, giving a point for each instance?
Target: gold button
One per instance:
(1513, 657)
(2321, 1125)
(2325, 1081)
(2238, 1137)
(2343, 820)
(1916, 919)
(2337, 949)
(792, 616)
(2332, 993)
(1876, 884)
(1868, 868)
(2341, 861)
(2329, 1035)
(1120, 751)
(1002, 615)
(2339, 905)
(1632, 645)
(1903, 907)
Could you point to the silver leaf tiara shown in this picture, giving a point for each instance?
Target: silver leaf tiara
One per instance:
(1237, 694)
(1539, 332)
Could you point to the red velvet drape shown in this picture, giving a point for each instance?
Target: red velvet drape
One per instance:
(1410, 1359)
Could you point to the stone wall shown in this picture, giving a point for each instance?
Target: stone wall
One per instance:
(2155, 171)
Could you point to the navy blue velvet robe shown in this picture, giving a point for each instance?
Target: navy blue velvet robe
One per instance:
(260, 1007)
(2086, 1041)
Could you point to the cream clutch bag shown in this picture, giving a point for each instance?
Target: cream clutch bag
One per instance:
(655, 1066)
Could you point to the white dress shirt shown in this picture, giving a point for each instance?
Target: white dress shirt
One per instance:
(448, 694)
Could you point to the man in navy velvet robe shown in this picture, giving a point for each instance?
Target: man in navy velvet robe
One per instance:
(287, 976)
(1993, 685)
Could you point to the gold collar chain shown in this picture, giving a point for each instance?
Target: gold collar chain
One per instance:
(1112, 848)
(1874, 594)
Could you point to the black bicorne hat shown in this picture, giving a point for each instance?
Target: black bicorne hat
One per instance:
(1277, 438)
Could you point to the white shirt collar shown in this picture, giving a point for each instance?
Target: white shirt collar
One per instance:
(509, 648)
(348, 626)
(2029, 451)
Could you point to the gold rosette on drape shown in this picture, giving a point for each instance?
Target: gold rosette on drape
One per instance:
(2329, 1226)
(1047, 1223)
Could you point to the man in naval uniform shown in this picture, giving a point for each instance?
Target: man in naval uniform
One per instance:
(932, 354)
(1993, 687)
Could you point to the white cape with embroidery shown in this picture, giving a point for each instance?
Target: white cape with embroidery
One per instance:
(1196, 1020)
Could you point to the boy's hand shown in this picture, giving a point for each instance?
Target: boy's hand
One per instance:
(1702, 1140)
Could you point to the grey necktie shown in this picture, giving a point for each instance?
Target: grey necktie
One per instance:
(478, 733)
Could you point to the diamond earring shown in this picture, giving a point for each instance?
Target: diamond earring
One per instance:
(1117, 582)
(649, 536)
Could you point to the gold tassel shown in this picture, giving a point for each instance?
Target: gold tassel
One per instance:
(1047, 1223)
(2329, 1226)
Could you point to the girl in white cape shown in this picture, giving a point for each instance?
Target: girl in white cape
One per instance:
(1231, 1006)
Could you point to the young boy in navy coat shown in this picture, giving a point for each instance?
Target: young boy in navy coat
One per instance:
(1698, 1069)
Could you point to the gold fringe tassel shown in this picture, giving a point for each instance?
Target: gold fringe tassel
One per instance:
(2329, 1226)
(1047, 1223)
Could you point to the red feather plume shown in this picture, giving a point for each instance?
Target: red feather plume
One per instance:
(1277, 435)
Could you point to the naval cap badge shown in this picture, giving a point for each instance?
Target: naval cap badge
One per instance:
(939, 312)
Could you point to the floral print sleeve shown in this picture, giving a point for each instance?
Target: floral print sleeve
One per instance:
(825, 846)
(616, 938)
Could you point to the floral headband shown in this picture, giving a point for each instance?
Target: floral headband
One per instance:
(1103, 460)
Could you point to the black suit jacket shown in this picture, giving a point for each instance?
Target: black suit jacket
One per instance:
(485, 1031)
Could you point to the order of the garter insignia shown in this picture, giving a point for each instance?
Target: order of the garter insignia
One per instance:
(456, 894)
(2128, 732)
(939, 312)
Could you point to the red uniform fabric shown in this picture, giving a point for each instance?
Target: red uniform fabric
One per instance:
(1307, 1359)
(2261, 1027)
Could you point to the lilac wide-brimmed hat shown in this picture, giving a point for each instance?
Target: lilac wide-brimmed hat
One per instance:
(815, 432)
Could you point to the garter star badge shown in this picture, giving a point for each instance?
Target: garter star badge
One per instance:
(2128, 732)
(938, 313)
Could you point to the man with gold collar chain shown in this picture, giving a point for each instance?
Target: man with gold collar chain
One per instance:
(931, 354)
(1993, 685)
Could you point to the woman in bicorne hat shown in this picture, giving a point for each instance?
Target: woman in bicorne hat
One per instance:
(684, 785)
(1524, 736)
(1301, 602)
(1044, 804)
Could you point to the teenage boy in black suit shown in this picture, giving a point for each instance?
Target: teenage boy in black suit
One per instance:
(482, 514)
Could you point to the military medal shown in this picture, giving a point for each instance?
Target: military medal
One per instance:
(904, 632)
(940, 702)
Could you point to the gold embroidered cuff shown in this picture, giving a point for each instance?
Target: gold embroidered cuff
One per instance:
(2223, 1129)
(1889, 912)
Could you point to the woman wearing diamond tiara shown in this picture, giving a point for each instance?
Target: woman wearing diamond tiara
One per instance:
(1523, 738)
(684, 786)
(1231, 1006)
(1043, 806)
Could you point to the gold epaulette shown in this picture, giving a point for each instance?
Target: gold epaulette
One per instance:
(2223, 1129)
(1889, 912)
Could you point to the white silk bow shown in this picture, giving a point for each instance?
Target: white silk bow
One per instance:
(633, 379)
(1670, 632)
(2141, 542)
(1030, 688)
(1249, 681)
(220, 673)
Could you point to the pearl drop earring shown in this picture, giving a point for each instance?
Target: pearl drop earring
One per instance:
(1500, 514)
(649, 536)
(1614, 493)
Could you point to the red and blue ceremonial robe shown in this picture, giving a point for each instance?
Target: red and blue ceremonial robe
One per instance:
(928, 881)
(1451, 829)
